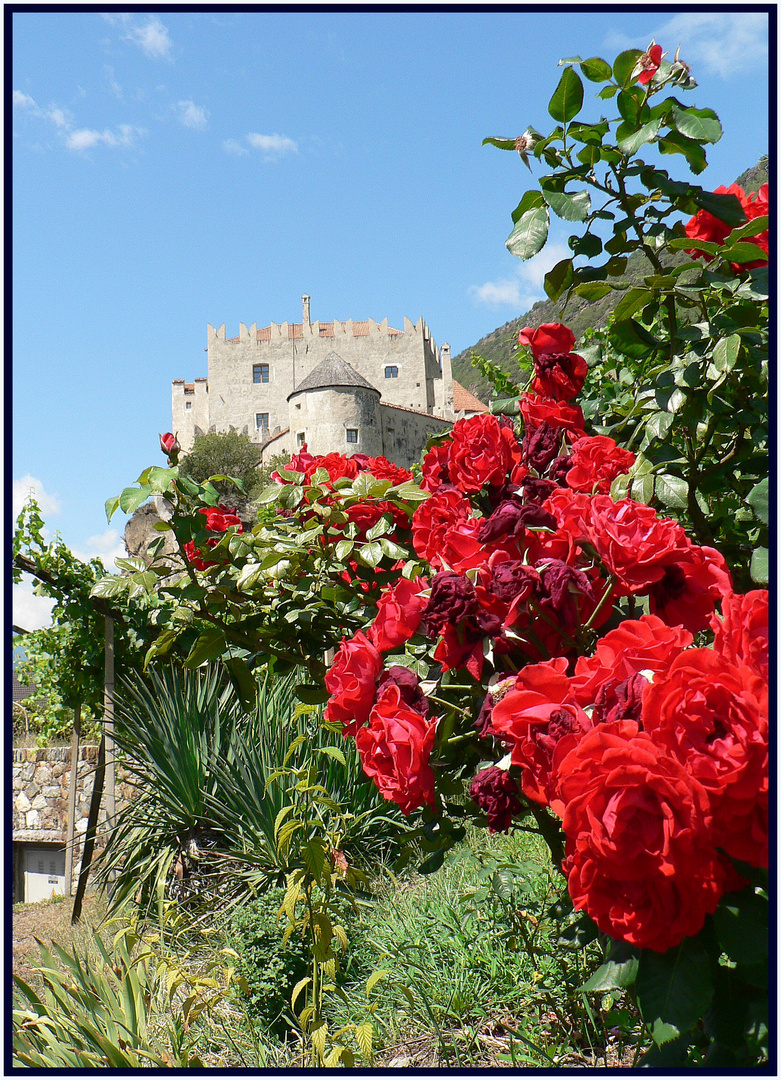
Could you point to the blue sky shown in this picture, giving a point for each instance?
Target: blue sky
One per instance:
(182, 168)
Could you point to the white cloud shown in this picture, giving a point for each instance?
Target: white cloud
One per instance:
(723, 43)
(116, 89)
(24, 101)
(30, 485)
(106, 546)
(230, 146)
(273, 147)
(58, 117)
(152, 38)
(85, 138)
(30, 612)
(191, 115)
(525, 287)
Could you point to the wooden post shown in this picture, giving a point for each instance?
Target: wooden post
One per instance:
(89, 836)
(108, 723)
(70, 837)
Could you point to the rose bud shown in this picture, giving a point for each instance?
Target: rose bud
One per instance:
(169, 444)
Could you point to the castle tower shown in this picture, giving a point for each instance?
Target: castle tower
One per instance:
(334, 409)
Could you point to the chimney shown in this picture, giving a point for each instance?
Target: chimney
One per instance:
(307, 320)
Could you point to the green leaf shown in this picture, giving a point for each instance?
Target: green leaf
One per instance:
(760, 566)
(531, 201)
(530, 233)
(673, 989)
(596, 69)
(630, 104)
(741, 922)
(672, 491)
(759, 500)
(132, 497)
(567, 99)
(630, 302)
(608, 92)
(594, 290)
(574, 206)
(111, 506)
(629, 337)
(558, 279)
(624, 65)
(743, 253)
(726, 352)
(726, 208)
(675, 143)
(312, 693)
(209, 646)
(629, 138)
(369, 554)
(587, 245)
(501, 143)
(700, 124)
(691, 244)
(618, 972)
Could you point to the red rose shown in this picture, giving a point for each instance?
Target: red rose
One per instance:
(482, 452)
(648, 63)
(741, 635)
(640, 857)
(687, 592)
(644, 644)
(435, 467)
(298, 463)
(634, 542)
(558, 372)
(394, 751)
(169, 444)
(218, 519)
(351, 682)
(537, 410)
(382, 469)
(595, 462)
(705, 226)
(366, 515)
(537, 716)
(713, 717)
(433, 518)
(399, 612)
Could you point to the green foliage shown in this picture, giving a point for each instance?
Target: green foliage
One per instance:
(227, 453)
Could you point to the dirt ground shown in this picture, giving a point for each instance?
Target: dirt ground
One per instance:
(51, 921)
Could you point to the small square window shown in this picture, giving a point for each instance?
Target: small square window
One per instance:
(301, 438)
(352, 434)
(188, 404)
(260, 373)
(261, 421)
(391, 371)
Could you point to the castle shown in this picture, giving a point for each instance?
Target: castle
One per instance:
(335, 386)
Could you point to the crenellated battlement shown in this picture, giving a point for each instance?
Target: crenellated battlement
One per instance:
(337, 328)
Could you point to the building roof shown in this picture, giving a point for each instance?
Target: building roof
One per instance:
(20, 691)
(333, 371)
(463, 401)
(296, 330)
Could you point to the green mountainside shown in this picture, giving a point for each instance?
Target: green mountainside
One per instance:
(501, 344)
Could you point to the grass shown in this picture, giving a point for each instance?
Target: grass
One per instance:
(475, 976)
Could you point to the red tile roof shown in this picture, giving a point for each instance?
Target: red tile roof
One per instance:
(463, 401)
(295, 330)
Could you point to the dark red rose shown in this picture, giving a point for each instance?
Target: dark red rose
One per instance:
(433, 518)
(620, 700)
(409, 688)
(595, 462)
(541, 446)
(536, 410)
(567, 589)
(512, 578)
(496, 793)
(713, 717)
(512, 518)
(351, 682)
(559, 373)
(640, 856)
(453, 599)
(537, 489)
(435, 467)
(689, 588)
(399, 611)
(741, 635)
(395, 750)
(482, 452)
(537, 715)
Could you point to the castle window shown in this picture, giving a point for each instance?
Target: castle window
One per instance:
(261, 421)
(391, 371)
(260, 373)
(188, 404)
(352, 434)
(301, 438)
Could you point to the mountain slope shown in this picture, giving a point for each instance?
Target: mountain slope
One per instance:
(501, 344)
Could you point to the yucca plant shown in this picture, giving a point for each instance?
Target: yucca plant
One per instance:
(209, 787)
